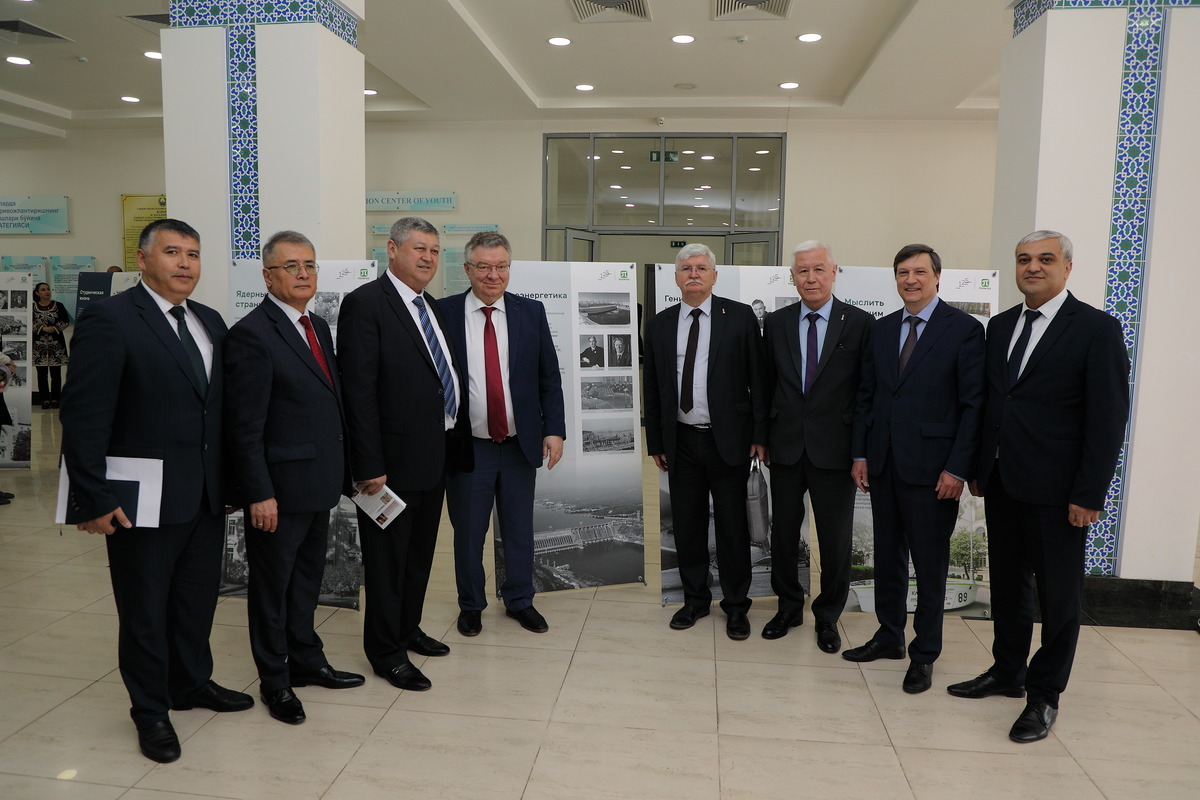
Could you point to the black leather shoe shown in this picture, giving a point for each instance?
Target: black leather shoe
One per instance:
(329, 678)
(217, 698)
(873, 650)
(828, 638)
(470, 623)
(686, 617)
(159, 742)
(1034, 723)
(425, 645)
(407, 677)
(985, 685)
(529, 618)
(284, 706)
(781, 623)
(918, 678)
(7, 495)
(737, 625)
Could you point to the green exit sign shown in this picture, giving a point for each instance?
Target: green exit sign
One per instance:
(669, 156)
(678, 244)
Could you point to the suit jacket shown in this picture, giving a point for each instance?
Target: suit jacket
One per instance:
(737, 397)
(1058, 430)
(533, 377)
(821, 422)
(393, 396)
(283, 418)
(930, 415)
(132, 392)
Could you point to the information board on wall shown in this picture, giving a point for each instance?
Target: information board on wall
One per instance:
(138, 211)
(40, 214)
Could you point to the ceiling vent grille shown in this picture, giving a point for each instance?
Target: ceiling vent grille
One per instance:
(150, 22)
(611, 10)
(18, 31)
(741, 10)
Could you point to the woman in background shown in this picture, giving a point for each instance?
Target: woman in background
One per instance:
(50, 319)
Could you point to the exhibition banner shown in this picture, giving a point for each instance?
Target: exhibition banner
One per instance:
(35, 265)
(588, 522)
(138, 211)
(768, 289)
(40, 214)
(343, 555)
(16, 290)
(93, 286)
(64, 278)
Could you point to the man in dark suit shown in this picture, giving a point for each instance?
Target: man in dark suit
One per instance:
(814, 361)
(916, 435)
(515, 408)
(620, 355)
(1054, 422)
(283, 427)
(706, 418)
(592, 355)
(401, 392)
(146, 382)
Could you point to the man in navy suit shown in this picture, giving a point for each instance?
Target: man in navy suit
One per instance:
(915, 444)
(402, 393)
(1054, 422)
(283, 426)
(514, 404)
(147, 383)
(706, 418)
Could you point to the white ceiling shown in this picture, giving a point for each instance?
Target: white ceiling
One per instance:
(437, 60)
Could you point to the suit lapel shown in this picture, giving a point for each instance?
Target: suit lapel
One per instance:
(396, 302)
(1000, 330)
(167, 334)
(833, 332)
(291, 337)
(1059, 324)
(715, 334)
(512, 308)
(934, 328)
(791, 326)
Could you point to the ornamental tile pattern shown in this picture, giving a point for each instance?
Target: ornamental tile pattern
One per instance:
(239, 18)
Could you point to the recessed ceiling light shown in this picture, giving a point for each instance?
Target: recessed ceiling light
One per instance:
(623, 197)
(157, 56)
(700, 206)
(691, 223)
(689, 219)
(697, 198)
(683, 38)
(688, 152)
(761, 152)
(789, 85)
(595, 158)
(129, 99)
(809, 37)
(652, 222)
(754, 169)
(772, 209)
(689, 168)
(626, 167)
(685, 86)
(20, 62)
(707, 158)
(559, 41)
(706, 186)
(615, 186)
(370, 92)
(584, 87)
(617, 152)
(629, 205)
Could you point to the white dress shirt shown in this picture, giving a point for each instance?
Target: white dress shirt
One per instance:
(293, 315)
(194, 326)
(822, 324)
(699, 414)
(924, 315)
(408, 295)
(477, 367)
(1047, 310)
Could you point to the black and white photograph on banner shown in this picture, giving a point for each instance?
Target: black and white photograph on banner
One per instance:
(17, 350)
(620, 352)
(760, 313)
(12, 324)
(609, 393)
(343, 558)
(591, 351)
(327, 306)
(601, 435)
(581, 539)
(873, 289)
(604, 308)
(18, 299)
(3, 299)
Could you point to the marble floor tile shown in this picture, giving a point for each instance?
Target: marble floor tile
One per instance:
(640, 630)
(24, 787)
(756, 768)
(76, 646)
(564, 614)
(17, 624)
(62, 587)
(1126, 722)
(1133, 779)
(941, 775)
(29, 697)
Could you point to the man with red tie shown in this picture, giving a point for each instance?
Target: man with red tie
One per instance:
(514, 403)
(284, 428)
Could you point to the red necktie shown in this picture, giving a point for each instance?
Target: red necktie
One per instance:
(496, 416)
(316, 348)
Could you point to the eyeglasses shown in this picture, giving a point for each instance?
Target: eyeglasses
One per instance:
(294, 269)
(484, 269)
(698, 270)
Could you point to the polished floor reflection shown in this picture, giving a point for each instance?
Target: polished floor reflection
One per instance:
(609, 704)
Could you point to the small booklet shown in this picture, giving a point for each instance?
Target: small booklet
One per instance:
(135, 482)
(383, 507)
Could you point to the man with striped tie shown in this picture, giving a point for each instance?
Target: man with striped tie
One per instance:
(402, 395)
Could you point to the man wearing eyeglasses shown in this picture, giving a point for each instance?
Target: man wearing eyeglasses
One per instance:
(706, 418)
(402, 393)
(517, 422)
(283, 412)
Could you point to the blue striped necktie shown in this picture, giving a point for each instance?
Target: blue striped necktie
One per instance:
(439, 357)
